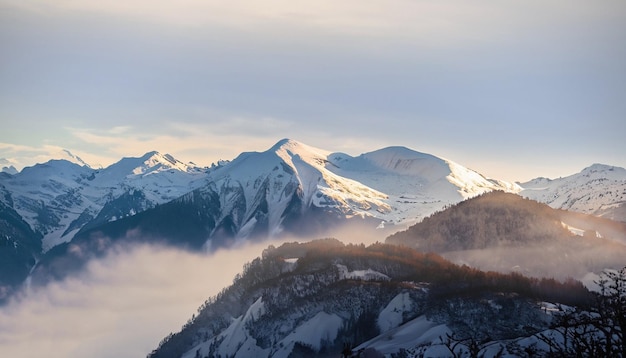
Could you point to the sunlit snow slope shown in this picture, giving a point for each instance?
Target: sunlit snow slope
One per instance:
(393, 185)
(416, 184)
(598, 190)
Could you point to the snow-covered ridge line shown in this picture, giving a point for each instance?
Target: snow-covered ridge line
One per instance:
(391, 186)
(598, 190)
(58, 197)
(394, 187)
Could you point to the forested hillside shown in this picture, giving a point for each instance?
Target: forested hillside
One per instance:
(348, 294)
(505, 232)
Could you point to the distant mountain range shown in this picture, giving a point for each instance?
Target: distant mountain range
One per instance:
(59, 197)
(291, 189)
(47, 204)
(598, 190)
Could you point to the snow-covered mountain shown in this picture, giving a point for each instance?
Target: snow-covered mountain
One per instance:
(299, 189)
(322, 299)
(415, 184)
(15, 164)
(59, 197)
(9, 170)
(271, 190)
(291, 189)
(598, 190)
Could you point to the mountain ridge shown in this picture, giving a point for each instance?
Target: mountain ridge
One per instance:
(289, 189)
(598, 189)
(291, 178)
(505, 232)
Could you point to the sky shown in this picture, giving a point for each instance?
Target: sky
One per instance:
(512, 89)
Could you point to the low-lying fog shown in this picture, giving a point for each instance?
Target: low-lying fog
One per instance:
(123, 304)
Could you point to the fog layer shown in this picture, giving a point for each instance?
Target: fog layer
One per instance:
(123, 304)
(120, 306)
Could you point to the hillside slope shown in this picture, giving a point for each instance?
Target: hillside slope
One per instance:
(314, 299)
(505, 232)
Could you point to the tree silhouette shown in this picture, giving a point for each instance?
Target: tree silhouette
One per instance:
(597, 331)
(471, 344)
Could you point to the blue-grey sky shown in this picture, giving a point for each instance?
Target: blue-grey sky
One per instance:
(512, 89)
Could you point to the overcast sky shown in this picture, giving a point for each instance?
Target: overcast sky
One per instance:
(512, 89)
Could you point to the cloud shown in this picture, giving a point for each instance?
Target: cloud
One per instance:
(121, 306)
(428, 21)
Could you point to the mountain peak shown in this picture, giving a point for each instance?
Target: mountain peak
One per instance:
(155, 158)
(284, 142)
(75, 159)
(401, 158)
(288, 148)
(293, 146)
(9, 170)
(150, 162)
(598, 167)
(150, 154)
(402, 151)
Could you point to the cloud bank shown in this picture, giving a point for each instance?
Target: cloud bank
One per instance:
(121, 306)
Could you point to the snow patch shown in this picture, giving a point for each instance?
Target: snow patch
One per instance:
(413, 333)
(392, 315)
(236, 338)
(366, 275)
(323, 327)
(573, 230)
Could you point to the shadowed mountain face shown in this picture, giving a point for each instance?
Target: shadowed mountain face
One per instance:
(58, 198)
(504, 232)
(20, 247)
